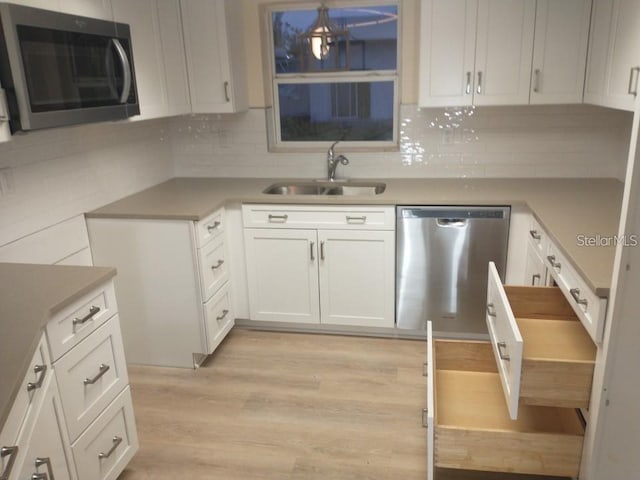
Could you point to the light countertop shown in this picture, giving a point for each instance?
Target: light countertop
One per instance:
(29, 296)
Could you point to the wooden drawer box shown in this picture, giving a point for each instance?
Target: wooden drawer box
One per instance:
(470, 428)
(543, 353)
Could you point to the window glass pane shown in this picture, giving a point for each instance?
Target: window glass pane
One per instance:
(315, 112)
(365, 39)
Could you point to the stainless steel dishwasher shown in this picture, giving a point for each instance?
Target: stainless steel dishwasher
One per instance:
(443, 254)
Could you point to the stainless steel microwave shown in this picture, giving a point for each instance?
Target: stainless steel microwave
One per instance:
(59, 69)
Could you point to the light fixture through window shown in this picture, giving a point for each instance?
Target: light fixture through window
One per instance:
(321, 37)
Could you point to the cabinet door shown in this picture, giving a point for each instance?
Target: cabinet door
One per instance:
(447, 52)
(599, 48)
(504, 51)
(88, 8)
(214, 50)
(560, 51)
(357, 277)
(535, 271)
(282, 271)
(147, 54)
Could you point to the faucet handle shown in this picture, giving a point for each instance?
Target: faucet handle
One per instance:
(330, 151)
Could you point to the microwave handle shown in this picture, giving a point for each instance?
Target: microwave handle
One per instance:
(126, 68)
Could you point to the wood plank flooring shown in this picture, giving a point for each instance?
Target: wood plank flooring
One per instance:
(284, 406)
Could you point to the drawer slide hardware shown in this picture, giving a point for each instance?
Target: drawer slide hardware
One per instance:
(503, 356)
(490, 310)
(552, 261)
(217, 265)
(425, 411)
(215, 225)
(42, 370)
(116, 441)
(12, 453)
(43, 476)
(103, 369)
(575, 293)
(225, 312)
(92, 312)
(535, 235)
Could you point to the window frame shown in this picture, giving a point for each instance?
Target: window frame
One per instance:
(275, 79)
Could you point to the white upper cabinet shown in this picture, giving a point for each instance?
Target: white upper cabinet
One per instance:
(214, 46)
(476, 52)
(87, 8)
(560, 51)
(614, 54)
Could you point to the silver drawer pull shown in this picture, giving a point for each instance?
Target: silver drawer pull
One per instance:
(42, 370)
(224, 314)
(575, 293)
(116, 441)
(313, 256)
(490, 310)
(467, 90)
(535, 235)
(425, 423)
(12, 453)
(552, 261)
(43, 461)
(425, 369)
(92, 312)
(103, 369)
(215, 225)
(534, 277)
(217, 265)
(503, 356)
(278, 218)
(357, 220)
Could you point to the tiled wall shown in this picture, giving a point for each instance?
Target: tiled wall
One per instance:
(49, 176)
(541, 141)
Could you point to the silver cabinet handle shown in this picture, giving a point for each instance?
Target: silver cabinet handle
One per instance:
(126, 69)
(425, 411)
(116, 441)
(215, 225)
(536, 80)
(425, 369)
(217, 265)
(633, 91)
(42, 370)
(321, 250)
(467, 90)
(575, 293)
(490, 310)
(278, 218)
(225, 312)
(313, 257)
(503, 356)
(533, 279)
(12, 453)
(357, 220)
(226, 92)
(43, 461)
(102, 370)
(92, 313)
(535, 235)
(479, 88)
(552, 261)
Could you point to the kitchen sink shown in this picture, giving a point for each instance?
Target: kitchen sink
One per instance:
(326, 188)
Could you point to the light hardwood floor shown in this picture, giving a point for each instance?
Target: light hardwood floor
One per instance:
(284, 406)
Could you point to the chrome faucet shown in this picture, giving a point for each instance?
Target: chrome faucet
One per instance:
(332, 162)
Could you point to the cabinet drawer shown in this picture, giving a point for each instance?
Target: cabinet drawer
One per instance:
(77, 321)
(590, 308)
(105, 448)
(543, 353)
(313, 216)
(210, 227)
(91, 375)
(472, 429)
(214, 271)
(218, 318)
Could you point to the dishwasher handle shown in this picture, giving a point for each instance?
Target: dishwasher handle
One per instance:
(451, 222)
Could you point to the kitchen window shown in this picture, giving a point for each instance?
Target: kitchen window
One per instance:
(334, 74)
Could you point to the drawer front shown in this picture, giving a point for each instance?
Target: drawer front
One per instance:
(214, 270)
(218, 318)
(210, 227)
(105, 448)
(91, 376)
(23, 410)
(428, 420)
(505, 339)
(295, 216)
(589, 308)
(76, 322)
(538, 238)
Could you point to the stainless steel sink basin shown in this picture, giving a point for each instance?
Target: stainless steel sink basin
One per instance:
(326, 188)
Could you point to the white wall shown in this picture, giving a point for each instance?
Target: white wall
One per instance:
(532, 141)
(49, 176)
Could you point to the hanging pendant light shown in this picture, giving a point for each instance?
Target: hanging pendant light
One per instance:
(321, 37)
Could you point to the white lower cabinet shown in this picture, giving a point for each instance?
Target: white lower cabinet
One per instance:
(338, 270)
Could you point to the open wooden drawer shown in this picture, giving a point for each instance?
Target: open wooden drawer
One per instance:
(469, 427)
(543, 353)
